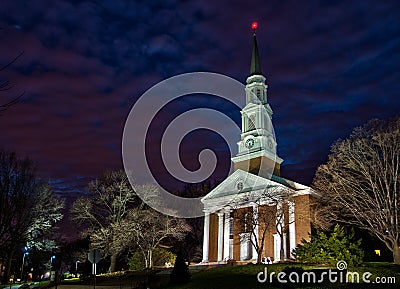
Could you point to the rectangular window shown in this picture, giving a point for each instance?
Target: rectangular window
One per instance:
(231, 226)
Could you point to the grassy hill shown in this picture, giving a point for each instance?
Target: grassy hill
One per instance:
(241, 277)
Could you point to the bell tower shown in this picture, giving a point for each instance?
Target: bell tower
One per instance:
(257, 145)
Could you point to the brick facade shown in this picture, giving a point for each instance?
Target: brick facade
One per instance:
(302, 227)
(302, 217)
(213, 242)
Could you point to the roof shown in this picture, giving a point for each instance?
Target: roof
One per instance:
(255, 67)
(241, 183)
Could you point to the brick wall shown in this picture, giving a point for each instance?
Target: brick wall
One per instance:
(302, 217)
(268, 250)
(213, 241)
(238, 227)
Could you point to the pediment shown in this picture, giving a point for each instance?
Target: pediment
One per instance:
(242, 186)
(238, 183)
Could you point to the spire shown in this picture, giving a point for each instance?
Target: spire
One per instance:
(255, 68)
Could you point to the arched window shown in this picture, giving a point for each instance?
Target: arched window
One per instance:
(251, 122)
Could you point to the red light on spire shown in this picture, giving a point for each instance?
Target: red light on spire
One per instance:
(254, 25)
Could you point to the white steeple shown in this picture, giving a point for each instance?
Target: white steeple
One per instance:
(257, 141)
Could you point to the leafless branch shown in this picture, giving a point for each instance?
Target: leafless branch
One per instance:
(359, 185)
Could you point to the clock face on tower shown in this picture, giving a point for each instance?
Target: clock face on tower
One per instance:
(249, 143)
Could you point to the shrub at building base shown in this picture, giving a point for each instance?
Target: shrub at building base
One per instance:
(180, 274)
(161, 257)
(325, 249)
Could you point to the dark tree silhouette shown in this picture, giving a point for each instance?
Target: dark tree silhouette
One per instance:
(28, 208)
(180, 273)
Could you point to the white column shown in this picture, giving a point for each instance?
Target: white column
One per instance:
(220, 234)
(280, 221)
(227, 224)
(206, 236)
(292, 229)
(254, 236)
(277, 246)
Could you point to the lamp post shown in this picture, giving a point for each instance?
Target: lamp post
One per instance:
(23, 262)
(76, 268)
(51, 261)
(51, 267)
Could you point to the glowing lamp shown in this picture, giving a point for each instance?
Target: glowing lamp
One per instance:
(254, 25)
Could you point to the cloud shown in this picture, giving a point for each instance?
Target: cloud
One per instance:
(330, 66)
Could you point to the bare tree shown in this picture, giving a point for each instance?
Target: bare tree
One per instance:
(267, 212)
(117, 219)
(28, 207)
(359, 184)
(284, 215)
(5, 85)
(255, 225)
(102, 211)
(147, 229)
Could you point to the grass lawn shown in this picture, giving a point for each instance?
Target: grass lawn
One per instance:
(245, 276)
(16, 285)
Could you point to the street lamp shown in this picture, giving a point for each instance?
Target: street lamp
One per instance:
(23, 261)
(51, 267)
(76, 268)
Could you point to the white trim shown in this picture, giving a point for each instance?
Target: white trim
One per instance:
(260, 153)
(256, 78)
(250, 181)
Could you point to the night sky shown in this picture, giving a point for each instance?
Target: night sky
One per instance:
(330, 66)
